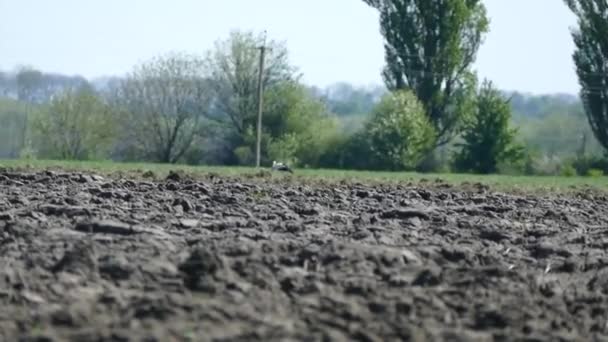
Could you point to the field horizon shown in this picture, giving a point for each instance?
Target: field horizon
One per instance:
(498, 182)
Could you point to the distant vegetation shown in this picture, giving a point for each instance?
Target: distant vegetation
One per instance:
(431, 115)
(553, 128)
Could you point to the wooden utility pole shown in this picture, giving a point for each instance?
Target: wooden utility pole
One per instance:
(260, 102)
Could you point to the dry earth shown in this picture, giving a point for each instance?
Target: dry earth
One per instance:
(86, 258)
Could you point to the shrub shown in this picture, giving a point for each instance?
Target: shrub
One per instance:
(568, 171)
(244, 155)
(298, 126)
(433, 162)
(285, 149)
(348, 151)
(78, 125)
(28, 153)
(595, 173)
(584, 164)
(399, 132)
(488, 140)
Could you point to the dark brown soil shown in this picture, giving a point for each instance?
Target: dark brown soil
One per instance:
(83, 258)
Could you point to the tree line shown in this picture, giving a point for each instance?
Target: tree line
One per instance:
(433, 113)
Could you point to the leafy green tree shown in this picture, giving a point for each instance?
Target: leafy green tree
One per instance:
(488, 139)
(399, 133)
(297, 127)
(590, 58)
(233, 68)
(302, 119)
(77, 126)
(429, 49)
(164, 101)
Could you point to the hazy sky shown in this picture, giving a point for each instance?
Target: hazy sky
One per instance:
(529, 47)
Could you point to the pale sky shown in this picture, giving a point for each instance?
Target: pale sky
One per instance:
(528, 48)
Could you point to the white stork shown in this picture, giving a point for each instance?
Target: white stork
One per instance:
(280, 167)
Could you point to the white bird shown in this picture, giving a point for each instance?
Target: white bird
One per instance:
(280, 167)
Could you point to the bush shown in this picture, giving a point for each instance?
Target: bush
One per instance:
(568, 171)
(433, 163)
(595, 173)
(488, 140)
(584, 164)
(244, 155)
(537, 164)
(347, 151)
(78, 125)
(298, 126)
(512, 169)
(399, 132)
(285, 149)
(28, 153)
(548, 166)
(528, 162)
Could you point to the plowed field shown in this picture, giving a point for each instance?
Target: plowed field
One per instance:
(88, 258)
